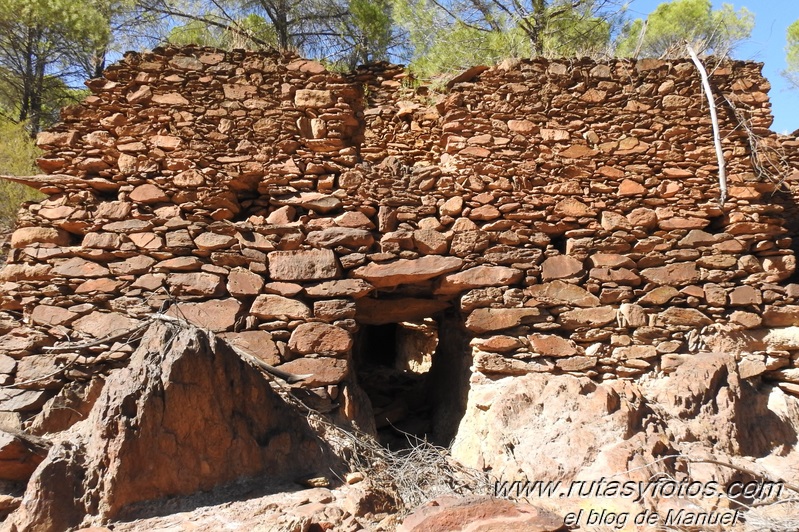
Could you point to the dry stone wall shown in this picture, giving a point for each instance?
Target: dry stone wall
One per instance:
(566, 211)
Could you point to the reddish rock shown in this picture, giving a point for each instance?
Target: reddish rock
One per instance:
(354, 288)
(485, 212)
(670, 224)
(430, 242)
(313, 98)
(659, 296)
(320, 338)
(635, 352)
(57, 138)
(102, 241)
(128, 226)
(577, 151)
(745, 295)
(330, 310)
(26, 272)
(576, 363)
(39, 372)
(165, 142)
(560, 292)
(612, 221)
(561, 267)
(77, 267)
(18, 400)
(407, 271)
(217, 315)
(283, 289)
(189, 179)
(26, 236)
(497, 344)
(552, 346)
(477, 277)
(628, 187)
(452, 207)
(214, 241)
(621, 276)
(270, 307)
(243, 283)
(780, 267)
(321, 371)
(475, 151)
(451, 514)
(784, 316)
(170, 98)
(186, 424)
(303, 265)
(683, 316)
(19, 455)
(257, 343)
(179, 264)
(677, 274)
(340, 236)
(103, 286)
(148, 194)
(102, 324)
(140, 95)
(484, 320)
(525, 127)
(610, 260)
(587, 317)
(148, 241)
(355, 220)
(198, 283)
(643, 217)
(51, 315)
(573, 207)
(135, 265)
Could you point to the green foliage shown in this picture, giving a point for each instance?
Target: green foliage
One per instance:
(792, 54)
(673, 23)
(250, 32)
(367, 32)
(577, 32)
(44, 45)
(18, 154)
(476, 32)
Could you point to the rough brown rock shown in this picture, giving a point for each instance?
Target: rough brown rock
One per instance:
(269, 307)
(320, 338)
(485, 320)
(561, 267)
(303, 265)
(481, 513)
(216, 315)
(186, 423)
(405, 271)
(478, 276)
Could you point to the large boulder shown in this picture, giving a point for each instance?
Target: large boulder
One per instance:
(186, 415)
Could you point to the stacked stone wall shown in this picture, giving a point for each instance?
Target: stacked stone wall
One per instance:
(566, 210)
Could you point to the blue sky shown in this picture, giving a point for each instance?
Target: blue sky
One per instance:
(767, 45)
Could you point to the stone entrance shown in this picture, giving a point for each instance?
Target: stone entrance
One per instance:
(407, 369)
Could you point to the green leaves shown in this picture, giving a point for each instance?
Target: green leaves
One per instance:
(792, 54)
(671, 24)
(450, 36)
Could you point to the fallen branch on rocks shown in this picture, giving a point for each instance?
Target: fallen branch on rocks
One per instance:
(410, 477)
(714, 119)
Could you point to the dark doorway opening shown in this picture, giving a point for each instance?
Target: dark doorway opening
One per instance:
(416, 375)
